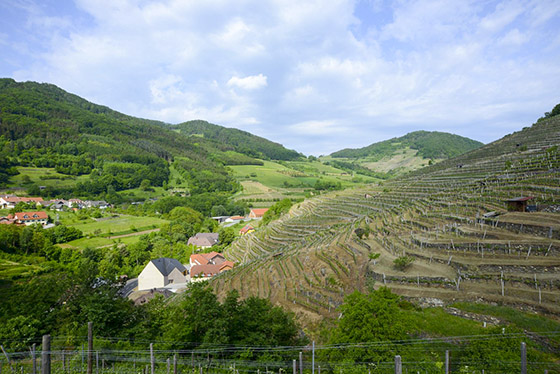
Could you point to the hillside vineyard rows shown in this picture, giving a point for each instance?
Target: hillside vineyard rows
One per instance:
(310, 258)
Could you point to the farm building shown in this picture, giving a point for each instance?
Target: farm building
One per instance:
(518, 204)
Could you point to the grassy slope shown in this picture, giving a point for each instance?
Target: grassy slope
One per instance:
(275, 180)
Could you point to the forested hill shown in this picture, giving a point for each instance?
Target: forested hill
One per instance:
(44, 126)
(242, 141)
(429, 144)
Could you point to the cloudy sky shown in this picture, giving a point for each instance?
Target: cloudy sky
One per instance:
(316, 76)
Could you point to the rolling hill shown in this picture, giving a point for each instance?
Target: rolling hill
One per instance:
(448, 222)
(408, 152)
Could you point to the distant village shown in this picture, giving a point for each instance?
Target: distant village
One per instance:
(160, 276)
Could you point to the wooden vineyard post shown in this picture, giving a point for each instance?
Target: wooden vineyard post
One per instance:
(34, 359)
(398, 365)
(46, 355)
(90, 349)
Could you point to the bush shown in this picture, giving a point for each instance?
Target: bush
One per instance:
(401, 263)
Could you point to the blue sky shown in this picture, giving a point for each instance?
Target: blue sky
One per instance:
(316, 76)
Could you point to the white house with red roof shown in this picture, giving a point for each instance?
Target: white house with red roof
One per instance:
(31, 218)
(10, 201)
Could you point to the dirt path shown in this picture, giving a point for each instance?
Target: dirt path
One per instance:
(133, 234)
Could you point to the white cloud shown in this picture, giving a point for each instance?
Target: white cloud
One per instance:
(457, 65)
(321, 128)
(251, 82)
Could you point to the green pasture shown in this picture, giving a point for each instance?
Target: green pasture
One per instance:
(115, 225)
(44, 177)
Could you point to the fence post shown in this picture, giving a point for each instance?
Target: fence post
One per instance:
(398, 365)
(90, 348)
(523, 358)
(34, 359)
(301, 363)
(446, 362)
(175, 364)
(294, 366)
(313, 359)
(46, 355)
(152, 360)
(168, 365)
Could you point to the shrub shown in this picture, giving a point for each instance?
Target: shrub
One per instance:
(401, 263)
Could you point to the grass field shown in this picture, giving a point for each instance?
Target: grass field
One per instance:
(121, 224)
(43, 177)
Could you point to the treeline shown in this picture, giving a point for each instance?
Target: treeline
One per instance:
(242, 141)
(34, 240)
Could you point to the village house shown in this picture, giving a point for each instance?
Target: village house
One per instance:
(204, 239)
(160, 273)
(246, 230)
(96, 204)
(31, 218)
(257, 213)
(58, 205)
(10, 201)
(206, 265)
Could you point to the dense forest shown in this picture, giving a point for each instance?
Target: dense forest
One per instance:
(429, 144)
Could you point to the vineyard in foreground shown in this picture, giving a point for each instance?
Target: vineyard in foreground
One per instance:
(449, 221)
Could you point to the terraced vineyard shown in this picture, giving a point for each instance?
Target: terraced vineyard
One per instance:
(309, 259)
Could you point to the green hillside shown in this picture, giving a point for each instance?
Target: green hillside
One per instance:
(242, 141)
(76, 148)
(429, 144)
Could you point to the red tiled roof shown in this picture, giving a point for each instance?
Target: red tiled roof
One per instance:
(208, 270)
(235, 218)
(17, 199)
(259, 212)
(27, 216)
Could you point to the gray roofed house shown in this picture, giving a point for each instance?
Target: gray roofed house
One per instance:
(204, 239)
(160, 273)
